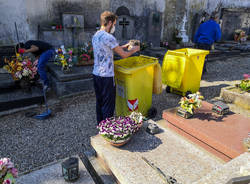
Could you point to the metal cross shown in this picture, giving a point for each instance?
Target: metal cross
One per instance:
(123, 23)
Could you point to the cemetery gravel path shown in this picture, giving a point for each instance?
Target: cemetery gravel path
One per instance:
(32, 143)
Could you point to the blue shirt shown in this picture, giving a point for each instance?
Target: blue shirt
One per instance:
(208, 33)
(103, 45)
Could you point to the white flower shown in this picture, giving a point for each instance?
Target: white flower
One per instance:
(25, 73)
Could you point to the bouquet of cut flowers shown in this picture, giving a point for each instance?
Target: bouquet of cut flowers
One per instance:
(192, 102)
(7, 171)
(64, 57)
(21, 67)
(117, 128)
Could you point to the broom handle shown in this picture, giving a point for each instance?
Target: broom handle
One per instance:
(17, 37)
(45, 99)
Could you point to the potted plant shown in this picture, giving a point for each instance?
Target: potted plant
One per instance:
(7, 171)
(22, 69)
(117, 130)
(245, 83)
(188, 105)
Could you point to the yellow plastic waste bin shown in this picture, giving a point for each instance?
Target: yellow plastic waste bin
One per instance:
(182, 70)
(134, 84)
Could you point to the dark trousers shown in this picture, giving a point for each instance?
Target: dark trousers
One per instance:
(42, 61)
(105, 97)
(203, 46)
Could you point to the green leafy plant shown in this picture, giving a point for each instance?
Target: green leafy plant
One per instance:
(245, 83)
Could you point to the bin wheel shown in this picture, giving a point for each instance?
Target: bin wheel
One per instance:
(168, 89)
(152, 112)
(188, 93)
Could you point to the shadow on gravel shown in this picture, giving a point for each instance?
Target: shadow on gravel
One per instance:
(212, 91)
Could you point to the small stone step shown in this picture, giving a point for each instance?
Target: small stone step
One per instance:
(52, 174)
(18, 98)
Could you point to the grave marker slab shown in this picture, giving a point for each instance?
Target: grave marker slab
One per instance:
(223, 134)
(172, 154)
(154, 28)
(125, 28)
(65, 84)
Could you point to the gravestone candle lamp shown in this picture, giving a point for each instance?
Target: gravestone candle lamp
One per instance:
(70, 169)
(220, 108)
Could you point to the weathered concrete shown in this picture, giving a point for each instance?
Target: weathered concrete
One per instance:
(228, 171)
(233, 95)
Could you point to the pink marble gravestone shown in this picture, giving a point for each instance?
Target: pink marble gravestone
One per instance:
(221, 135)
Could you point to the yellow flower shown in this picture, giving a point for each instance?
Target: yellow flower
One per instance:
(6, 67)
(17, 55)
(64, 63)
(19, 68)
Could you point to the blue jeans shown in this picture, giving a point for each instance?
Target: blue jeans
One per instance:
(43, 60)
(105, 97)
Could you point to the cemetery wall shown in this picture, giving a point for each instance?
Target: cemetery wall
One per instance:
(195, 8)
(28, 14)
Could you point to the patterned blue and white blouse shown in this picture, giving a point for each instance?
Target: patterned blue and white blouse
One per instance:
(103, 43)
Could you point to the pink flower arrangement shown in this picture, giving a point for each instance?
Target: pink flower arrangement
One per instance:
(21, 68)
(7, 171)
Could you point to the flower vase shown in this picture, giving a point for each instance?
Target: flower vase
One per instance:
(183, 113)
(66, 70)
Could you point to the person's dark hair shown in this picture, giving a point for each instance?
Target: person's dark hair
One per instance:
(214, 15)
(106, 17)
(19, 45)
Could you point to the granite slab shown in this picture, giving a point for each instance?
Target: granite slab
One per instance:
(168, 151)
(78, 72)
(6, 80)
(71, 87)
(222, 133)
(18, 98)
(52, 174)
